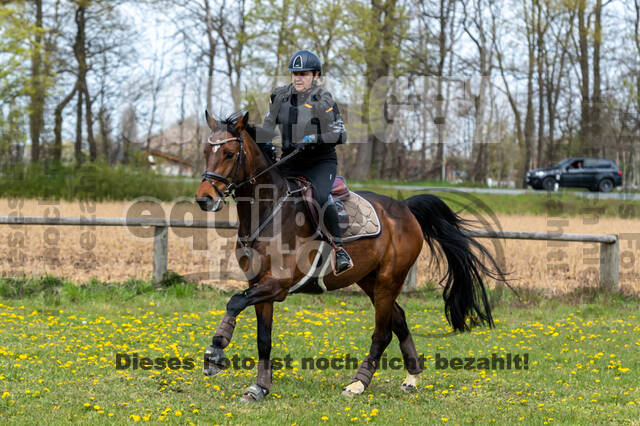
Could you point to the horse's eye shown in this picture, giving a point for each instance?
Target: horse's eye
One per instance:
(229, 154)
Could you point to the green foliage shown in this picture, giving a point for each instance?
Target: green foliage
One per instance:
(175, 285)
(91, 181)
(17, 288)
(54, 291)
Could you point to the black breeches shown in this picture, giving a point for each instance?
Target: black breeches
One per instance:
(321, 176)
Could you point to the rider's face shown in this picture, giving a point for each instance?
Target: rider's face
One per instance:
(302, 80)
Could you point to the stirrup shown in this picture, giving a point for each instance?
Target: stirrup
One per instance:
(333, 262)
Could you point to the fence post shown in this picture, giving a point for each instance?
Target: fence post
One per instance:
(410, 283)
(160, 252)
(609, 265)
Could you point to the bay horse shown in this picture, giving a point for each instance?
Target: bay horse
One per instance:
(236, 166)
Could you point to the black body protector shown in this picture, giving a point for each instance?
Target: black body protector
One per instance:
(313, 113)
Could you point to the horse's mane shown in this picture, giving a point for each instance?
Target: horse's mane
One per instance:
(231, 120)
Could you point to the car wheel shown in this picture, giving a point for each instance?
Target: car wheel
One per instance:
(605, 185)
(549, 183)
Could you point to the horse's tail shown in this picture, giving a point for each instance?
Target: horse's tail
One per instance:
(464, 292)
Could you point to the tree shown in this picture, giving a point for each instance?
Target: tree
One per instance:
(524, 134)
(475, 27)
(375, 45)
(15, 28)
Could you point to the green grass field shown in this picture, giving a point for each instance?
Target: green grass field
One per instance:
(58, 343)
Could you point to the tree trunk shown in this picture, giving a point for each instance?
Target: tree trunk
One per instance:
(104, 123)
(369, 160)
(583, 59)
(57, 147)
(596, 134)
(93, 149)
(439, 121)
(211, 54)
(78, 145)
(80, 51)
(540, 51)
(37, 96)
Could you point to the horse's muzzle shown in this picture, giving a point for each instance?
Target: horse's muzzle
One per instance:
(208, 204)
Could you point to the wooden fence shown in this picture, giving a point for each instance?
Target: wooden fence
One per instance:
(609, 243)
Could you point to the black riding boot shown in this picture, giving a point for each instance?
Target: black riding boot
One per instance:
(342, 258)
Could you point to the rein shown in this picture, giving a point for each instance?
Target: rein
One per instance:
(232, 186)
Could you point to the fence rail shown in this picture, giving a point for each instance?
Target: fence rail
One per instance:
(609, 243)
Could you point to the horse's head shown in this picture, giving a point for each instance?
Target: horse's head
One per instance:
(225, 161)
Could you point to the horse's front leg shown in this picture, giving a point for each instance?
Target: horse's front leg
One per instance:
(214, 359)
(257, 391)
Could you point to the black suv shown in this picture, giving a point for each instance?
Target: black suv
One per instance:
(596, 174)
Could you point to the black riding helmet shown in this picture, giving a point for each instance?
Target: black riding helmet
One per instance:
(304, 60)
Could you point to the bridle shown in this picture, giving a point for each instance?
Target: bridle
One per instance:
(238, 162)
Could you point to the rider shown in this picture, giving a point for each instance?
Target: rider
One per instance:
(309, 118)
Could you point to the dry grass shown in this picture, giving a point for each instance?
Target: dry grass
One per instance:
(559, 267)
(118, 255)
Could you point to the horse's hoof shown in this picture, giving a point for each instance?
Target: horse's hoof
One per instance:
(214, 361)
(355, 388)
(211, 370)
(408, 388)
(254, 393)
(410, 383)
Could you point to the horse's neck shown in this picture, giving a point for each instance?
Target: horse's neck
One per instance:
(264, 195)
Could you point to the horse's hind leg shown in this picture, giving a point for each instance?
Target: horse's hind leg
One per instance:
(383, 302)
(407, 347)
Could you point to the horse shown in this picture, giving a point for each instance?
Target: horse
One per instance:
(237, 167)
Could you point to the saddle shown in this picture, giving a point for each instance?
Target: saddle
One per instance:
(339, 193)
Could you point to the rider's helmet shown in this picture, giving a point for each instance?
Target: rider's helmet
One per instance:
(304, 60)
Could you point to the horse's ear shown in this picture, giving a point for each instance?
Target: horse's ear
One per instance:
(211, 122)
(242, 123)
